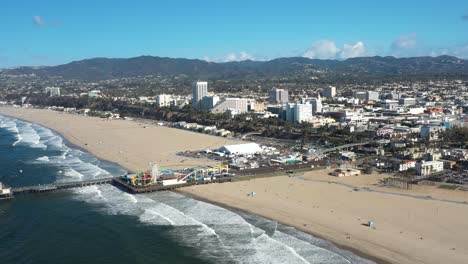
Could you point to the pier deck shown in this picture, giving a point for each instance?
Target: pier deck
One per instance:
(159, 187)
(116, 181)
(60, 186)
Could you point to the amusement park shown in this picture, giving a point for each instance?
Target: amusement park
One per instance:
(167, 177)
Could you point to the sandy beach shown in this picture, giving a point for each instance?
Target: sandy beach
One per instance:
(409, 227)
(131, 144)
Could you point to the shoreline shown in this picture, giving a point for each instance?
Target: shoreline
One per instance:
(128, 143)
(388, 242)
(355, 251)
(70, 144)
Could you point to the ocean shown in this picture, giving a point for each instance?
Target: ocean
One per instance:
(101, 224)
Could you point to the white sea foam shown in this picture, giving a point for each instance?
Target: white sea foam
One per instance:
(10, 125)
(309, 252)
(220, 234)
(71, 173)
(150, 216)
(26, 133)
(18, 140)
(217, 231)
(43, 158)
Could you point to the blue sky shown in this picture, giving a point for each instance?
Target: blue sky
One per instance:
(50, 32)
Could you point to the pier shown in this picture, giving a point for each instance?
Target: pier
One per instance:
(59, 186)
(116, 181)
(5, 192)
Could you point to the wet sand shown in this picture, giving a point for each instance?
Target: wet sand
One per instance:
(131, 144)
(408, 229)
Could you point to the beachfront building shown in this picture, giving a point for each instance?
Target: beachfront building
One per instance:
(164, 100)
(345, 172)
(52, 91)
(329, 91)
(241, 149)
(405, 165)
(278, 96)
(426, 168)
(209, 102)
(234, 105)
(199, 90)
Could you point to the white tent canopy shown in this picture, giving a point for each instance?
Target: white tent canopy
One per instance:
(241, 149)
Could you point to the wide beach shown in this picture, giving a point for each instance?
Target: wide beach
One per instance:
(408, 229)
(131, 144)
(407, 223)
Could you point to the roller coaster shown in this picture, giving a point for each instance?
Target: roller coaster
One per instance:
(206, 173)
(164, 176)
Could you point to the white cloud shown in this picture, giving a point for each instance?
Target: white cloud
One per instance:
(461, 52)
(407, 45)
(323, 49)
(38, 21)
(327, 50)
(405, 41)
(241, 56)
(457, 51)
(351, 51)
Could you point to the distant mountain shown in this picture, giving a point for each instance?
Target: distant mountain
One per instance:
(363, 67)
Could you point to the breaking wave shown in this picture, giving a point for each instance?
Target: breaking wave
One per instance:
(219, 235)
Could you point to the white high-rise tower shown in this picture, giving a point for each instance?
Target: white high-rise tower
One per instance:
(199, 90)
(317, 105)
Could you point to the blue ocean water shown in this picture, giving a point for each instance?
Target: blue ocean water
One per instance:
(101, 224)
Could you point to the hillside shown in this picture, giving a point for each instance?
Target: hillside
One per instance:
(105, 68)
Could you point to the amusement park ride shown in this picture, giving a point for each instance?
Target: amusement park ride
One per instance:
(170, 177)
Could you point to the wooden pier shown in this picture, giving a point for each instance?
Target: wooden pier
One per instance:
(116, 181)
(59, 186)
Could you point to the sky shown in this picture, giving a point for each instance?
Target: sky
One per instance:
(47, 32)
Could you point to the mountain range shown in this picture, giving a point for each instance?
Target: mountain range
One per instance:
(97, 69)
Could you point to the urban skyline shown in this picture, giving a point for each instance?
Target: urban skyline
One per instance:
(234, 132)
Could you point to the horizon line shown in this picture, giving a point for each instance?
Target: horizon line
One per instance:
(224, 62)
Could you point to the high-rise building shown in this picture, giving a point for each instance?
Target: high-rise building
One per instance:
(329, 91)
(235, 105)
(251, 105)
(52, 91)
(372, 96)
(209, 102)
(316, 105)
(299, 113)
(360, 95)
(278, 96)
(199, 90)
